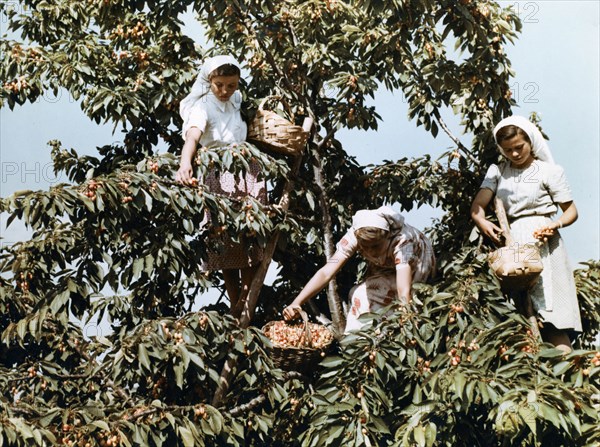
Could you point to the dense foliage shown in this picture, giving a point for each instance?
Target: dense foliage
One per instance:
(121, 241)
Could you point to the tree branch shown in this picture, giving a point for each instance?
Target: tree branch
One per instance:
(458, 143)
(244, 19)
(249, 406)
(260, 399)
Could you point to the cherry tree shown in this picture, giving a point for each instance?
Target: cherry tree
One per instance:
(120, 240)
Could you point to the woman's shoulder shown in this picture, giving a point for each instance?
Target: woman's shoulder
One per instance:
(549, 166)
(348, 243)
(549, 169)
(495, 169)
(236, 99)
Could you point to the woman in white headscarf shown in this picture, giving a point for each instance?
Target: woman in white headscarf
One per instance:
(397, 255)
(532, 188)
(208, 93)
(211, 118)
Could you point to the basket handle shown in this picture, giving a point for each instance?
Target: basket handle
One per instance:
(261, 105)
(503, 220)
(307, 333)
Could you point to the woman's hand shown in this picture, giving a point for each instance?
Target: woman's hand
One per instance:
(569, 216)
(185, 174)
(491, 230)
(315, 284)
(544, 232)
(292, 311)
(481, 201)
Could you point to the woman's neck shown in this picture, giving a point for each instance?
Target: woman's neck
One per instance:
(524, 165)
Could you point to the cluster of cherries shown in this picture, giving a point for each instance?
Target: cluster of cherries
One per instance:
(285, 335)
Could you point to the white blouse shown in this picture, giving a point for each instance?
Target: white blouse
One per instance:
(220, 122)
(533, 191)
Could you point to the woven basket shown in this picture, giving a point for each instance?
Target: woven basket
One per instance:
(301, 358)
(271, 132)
(517, 266)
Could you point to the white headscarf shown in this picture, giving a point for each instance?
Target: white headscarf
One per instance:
(383, 217)
(539, 146)
(202, 85)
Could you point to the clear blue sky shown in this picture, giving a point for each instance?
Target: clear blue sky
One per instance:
(556, 59)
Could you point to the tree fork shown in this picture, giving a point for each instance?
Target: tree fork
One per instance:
(244, 310)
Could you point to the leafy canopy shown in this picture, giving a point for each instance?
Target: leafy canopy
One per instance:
(121, 241)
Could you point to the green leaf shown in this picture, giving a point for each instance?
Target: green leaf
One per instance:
(186, 436)
(179, 372)
(143, 357)
(138, 267)
(101, 425)
(237, 428)
(529, 417)
(311, 201)
(419, 434)
(331, 362)
(459, 382)
(185, 356)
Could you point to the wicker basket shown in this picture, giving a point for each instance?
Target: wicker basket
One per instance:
(517, 266)
(271, 132)
(302, 358)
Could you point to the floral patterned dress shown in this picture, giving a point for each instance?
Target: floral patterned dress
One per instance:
(406, 245)
(229, 254)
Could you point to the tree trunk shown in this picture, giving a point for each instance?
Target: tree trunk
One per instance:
(244, 310)
(333, 297)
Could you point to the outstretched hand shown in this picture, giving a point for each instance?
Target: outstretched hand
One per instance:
(292, 311)
(185, 175)
(543, 233)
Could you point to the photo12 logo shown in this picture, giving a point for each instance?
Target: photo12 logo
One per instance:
(513, 412)
(92, 330)
(9, 8)
(59, 95)
(528, 12)
(28, 173)
(527, 91)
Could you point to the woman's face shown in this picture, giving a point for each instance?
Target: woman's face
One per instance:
(371, 247)
(224, 86)
(518, 150)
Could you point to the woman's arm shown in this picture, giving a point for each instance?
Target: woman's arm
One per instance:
(480, 203)
(185, 173)
(404, 283)
(315, 284)
(568, 217)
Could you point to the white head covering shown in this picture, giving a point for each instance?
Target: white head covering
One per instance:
(539, 146)
(212, 64)
(202, 85)
(383, 217)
